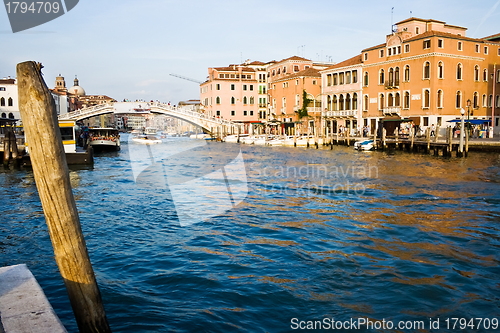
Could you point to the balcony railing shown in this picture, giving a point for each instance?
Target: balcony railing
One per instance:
(342, 114)
(392, 110)
(391, 84)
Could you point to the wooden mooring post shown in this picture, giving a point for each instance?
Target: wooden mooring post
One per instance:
(50, 170)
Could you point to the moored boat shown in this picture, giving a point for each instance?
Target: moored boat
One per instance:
(104, 138)
(365, 145)
(146, 140)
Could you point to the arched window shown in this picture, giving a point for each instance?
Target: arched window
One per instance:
(458, 102)
(252, 100)
(365, 103)
(347, 77)
(476, 73)
(284, 70)
(440, 70)
(217, 100)
(284, 102)
(279, 71)
(335, 103)
(4, 115)
(348, 102)
(407, 100)
(297, 100)
(329, 102)
(10, 101)
(2, 102)
(459, 72)
(366, 79)
(381, 76)
(485, 75)
(407, 73)
(490, 100)
(11, 115)
(245, 100)
(391, 77)
(397, 100)
(355, 101)
(396, 77)
(390, 100)
(440, 98)
(381, 102)
(427, 70)
(427, 98)
(233, 100)
(484, 101)
(475, 100)
(341, 102)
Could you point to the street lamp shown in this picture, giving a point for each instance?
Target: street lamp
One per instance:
(461, 149)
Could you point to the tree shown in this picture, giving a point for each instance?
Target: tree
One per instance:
(305, 103)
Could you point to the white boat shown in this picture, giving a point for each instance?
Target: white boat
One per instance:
(249, 140)
(303, 141)
(234, 138)
(364, 145)
(261, 140)
(104, 138)
(150, 131)
(146, 140)
(201, 136)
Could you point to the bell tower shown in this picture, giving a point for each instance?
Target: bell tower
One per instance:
(60, 84)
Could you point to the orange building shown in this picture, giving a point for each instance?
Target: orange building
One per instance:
(288, 79)
(427, 71)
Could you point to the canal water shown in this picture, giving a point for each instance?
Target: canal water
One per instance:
(290, 235)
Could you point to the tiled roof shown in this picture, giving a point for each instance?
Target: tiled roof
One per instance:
(419, 19)
(295, 58)
(349, 62)
(234, 69)
(7, 81)
(312, 72)
(495, 38)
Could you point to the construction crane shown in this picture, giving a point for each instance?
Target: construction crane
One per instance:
(186, 78)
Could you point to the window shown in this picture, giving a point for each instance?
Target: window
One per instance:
(476, 73)
(475, 100)
(490, 100)
(427, 44)
(440, 70)
(245, 113)
(381, 102)
(232, 87)
(381, 77)
(329, 80)
(365, 103)
(252, 100)
(274, 72)
(427, 70)
(477, 48)
(244, 87)
(296, 82)
(406, 102)
(2, 102)
(391, 77)
(459, 72)
(407, 73)
(440, 43)
(427, 98)
(407, 48)
(390, 100)
(397, 100)
(486, 50)
(335, 79)
(295, 68)
(348, 102)
(389, 52)
(217, 112)
(484, 101)
(4, 115)
(297, 100)
(459, 47)
(396, 77)
(347, 77)
(366, 79)
(251, 87)
(284, 70)
(233, 100)
(366, 55)
(11, 101)
(458, 101)
(245, 100)
(485, 75)
(335, 103)
(341, 102)
(417, 30)
(354, 76)
(279, 71)
(217, 100)
(440, 99)
(217, 86)
(355, 101)
(233, 113)
(251, 112)
(3, 88)
(314, 82)
(381, 53)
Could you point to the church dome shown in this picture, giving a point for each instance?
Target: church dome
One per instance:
(76, 89)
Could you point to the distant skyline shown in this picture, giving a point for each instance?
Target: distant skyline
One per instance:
(127, 49)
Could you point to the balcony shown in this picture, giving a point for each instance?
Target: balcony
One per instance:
(283, 110)
(342, 114)
(392, 110)
(391, 84)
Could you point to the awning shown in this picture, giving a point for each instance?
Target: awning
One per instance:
(472, 121)
(396, 119)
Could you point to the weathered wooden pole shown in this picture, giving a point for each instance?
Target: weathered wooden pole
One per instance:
(450, 141)
(412, 135)
(428, 138)
(6, 149)
(50, 170)
(466, 143)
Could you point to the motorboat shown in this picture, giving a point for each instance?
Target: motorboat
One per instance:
(146, 140)
(104, 138)
(261, 140)
(365, 145)
(234, 138)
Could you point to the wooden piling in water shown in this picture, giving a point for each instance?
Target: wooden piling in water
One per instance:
(6, 149)
(412, 134)
(450, 144)
(50, 170)
(428, 138)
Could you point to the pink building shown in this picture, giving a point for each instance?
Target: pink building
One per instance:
(231, 93)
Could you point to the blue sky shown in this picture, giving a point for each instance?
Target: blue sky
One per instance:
(127, 49)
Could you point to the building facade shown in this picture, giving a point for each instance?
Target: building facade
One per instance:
(9, 103)
(427, 71)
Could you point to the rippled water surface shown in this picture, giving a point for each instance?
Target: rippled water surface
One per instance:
(321, 234)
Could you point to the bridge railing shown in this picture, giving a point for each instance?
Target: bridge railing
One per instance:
(193, 114)
(90, 110)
